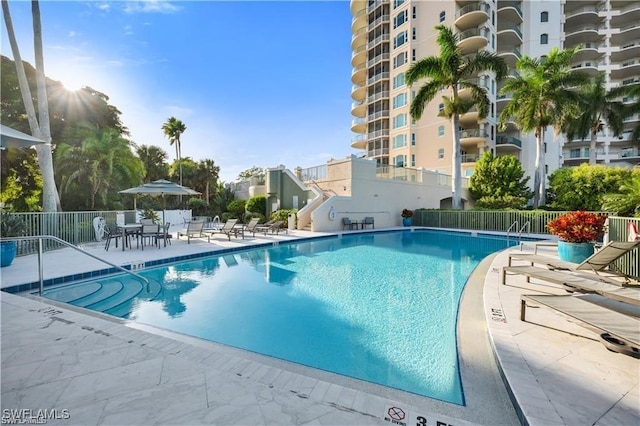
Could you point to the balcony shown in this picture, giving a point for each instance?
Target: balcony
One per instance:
(359, 109)
(377, 59)
(473, 137)
(588, 67)
(628, 50)
(359, 125)
(582, 15)
(510, 53)
(465, 92)
(509, 33)
(627, 14)
(508, 142)
(380, 39)
(359, 38)
(359, 19)
(509, 11)
(377, 96)
(371, 6)
(589, 52)
(629, 153)
(470, 118)
(377, 134)
(377, 152)
(359, 56)
(384, 19)
(359, 91)
(629, 68)
(378, 114)
(469, 158)
(358, 73)
(378, 77)
(582, 34)
(626, 32)
(357, 5)
(359, 142)
(473, 40)
(472, 15)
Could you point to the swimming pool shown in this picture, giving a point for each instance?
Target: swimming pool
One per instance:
(380, 307)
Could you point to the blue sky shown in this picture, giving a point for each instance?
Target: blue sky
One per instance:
(256, 82)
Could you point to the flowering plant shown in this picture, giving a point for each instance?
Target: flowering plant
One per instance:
(578, 227)
(407, 213)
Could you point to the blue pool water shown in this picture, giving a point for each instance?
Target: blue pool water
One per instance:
(380, 307)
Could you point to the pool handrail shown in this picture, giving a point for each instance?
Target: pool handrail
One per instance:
(68, 244)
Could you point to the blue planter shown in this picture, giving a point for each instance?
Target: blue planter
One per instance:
(7, 253)
(574, 252)
(406, 221)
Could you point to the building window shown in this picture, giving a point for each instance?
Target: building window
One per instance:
(413, 139)
(397, 3)
(398, 81)
(400, 19)
(546, 169)
(399, 141)
(574, 153)
(545, 147)
(413, 160)
(413, 33)
(441, 107)
(400, 59)
(400, 100)
(414, 12)
(544, 16)
(443, 16)
(399, 120)
(413, 55)
(400, 39)
(400, 160)
(441, 131)
(544, 38)
(441, 153)
(493, 18)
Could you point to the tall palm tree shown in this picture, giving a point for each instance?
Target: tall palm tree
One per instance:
(634, 108)
(541, 96)
(598, 106)
(154, 160)
(173, 129)
(453, 70)
(42, 130)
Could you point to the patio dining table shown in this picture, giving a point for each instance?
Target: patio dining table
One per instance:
(127, 227)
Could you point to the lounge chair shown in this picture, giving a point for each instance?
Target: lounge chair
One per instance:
(617, 323)
(194, 230)
(227, 229)
(592, 268)
(273, 226)
(252, 225)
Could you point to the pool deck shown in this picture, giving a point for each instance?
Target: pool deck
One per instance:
(94, 369)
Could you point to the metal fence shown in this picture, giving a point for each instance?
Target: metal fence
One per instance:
(525, 222)
(73, 227)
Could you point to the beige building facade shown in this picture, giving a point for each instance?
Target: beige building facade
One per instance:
(388, 36)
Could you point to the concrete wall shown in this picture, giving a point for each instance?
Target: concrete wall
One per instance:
(281, 188)
(366, 195)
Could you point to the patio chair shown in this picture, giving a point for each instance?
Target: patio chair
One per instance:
(617, 323)
(194, 230)
(367, 221)
(252, 226)
(110, 235)
(164, 235)
(348, 223)
(149, 232)
(594, 266)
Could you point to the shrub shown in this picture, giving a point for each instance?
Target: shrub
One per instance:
(198, 206)
(237, 208)
(257, 204)
(283, 215)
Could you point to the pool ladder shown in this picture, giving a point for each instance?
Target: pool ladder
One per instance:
(514, 226)
(67, 244)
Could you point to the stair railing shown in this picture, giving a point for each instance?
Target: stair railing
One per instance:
(67, 244)
(514, 226)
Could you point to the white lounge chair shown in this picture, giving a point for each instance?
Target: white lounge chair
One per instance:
(194, 230)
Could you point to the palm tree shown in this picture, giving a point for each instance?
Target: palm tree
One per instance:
(42, 130)
(598, 106)
(634, 108)
(541, 96)
(154, 160)
(453, 70)
(626, 202)
(173, 129)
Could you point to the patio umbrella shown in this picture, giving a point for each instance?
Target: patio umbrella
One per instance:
(159, 187)
(14, 139)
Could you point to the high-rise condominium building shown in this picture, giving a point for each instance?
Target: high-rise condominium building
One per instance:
(388, 36)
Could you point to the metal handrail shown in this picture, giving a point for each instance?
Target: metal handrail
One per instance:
(515, 223)
(527, 225)
(65, 243)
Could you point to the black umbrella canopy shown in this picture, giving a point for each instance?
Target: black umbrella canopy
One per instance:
(160, 187)
(10, 138)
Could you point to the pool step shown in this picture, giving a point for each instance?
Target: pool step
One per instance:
(108, 289)
(123, 309)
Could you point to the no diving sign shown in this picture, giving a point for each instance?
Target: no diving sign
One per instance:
(400, 416)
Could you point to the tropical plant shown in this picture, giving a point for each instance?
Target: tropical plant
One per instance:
(11, 225)
(150, 213)
(542, 96)
(154, 160)
(223, 196)
(41, 129)
(578, 227)
(634, 108)
(452, 71)
(625, 202)
(598, 106)
(251, 172)
(237, 208)
(205, 178)
(582, 187)
(173, 129)
(406, 213)
(499, 182)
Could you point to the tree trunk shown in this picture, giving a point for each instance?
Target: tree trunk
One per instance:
(538, 180)
(50, 200)
(592, 147)
(456, 165)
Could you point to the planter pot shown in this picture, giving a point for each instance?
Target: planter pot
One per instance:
(574, 252)
(7, 253)
(406, 221)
